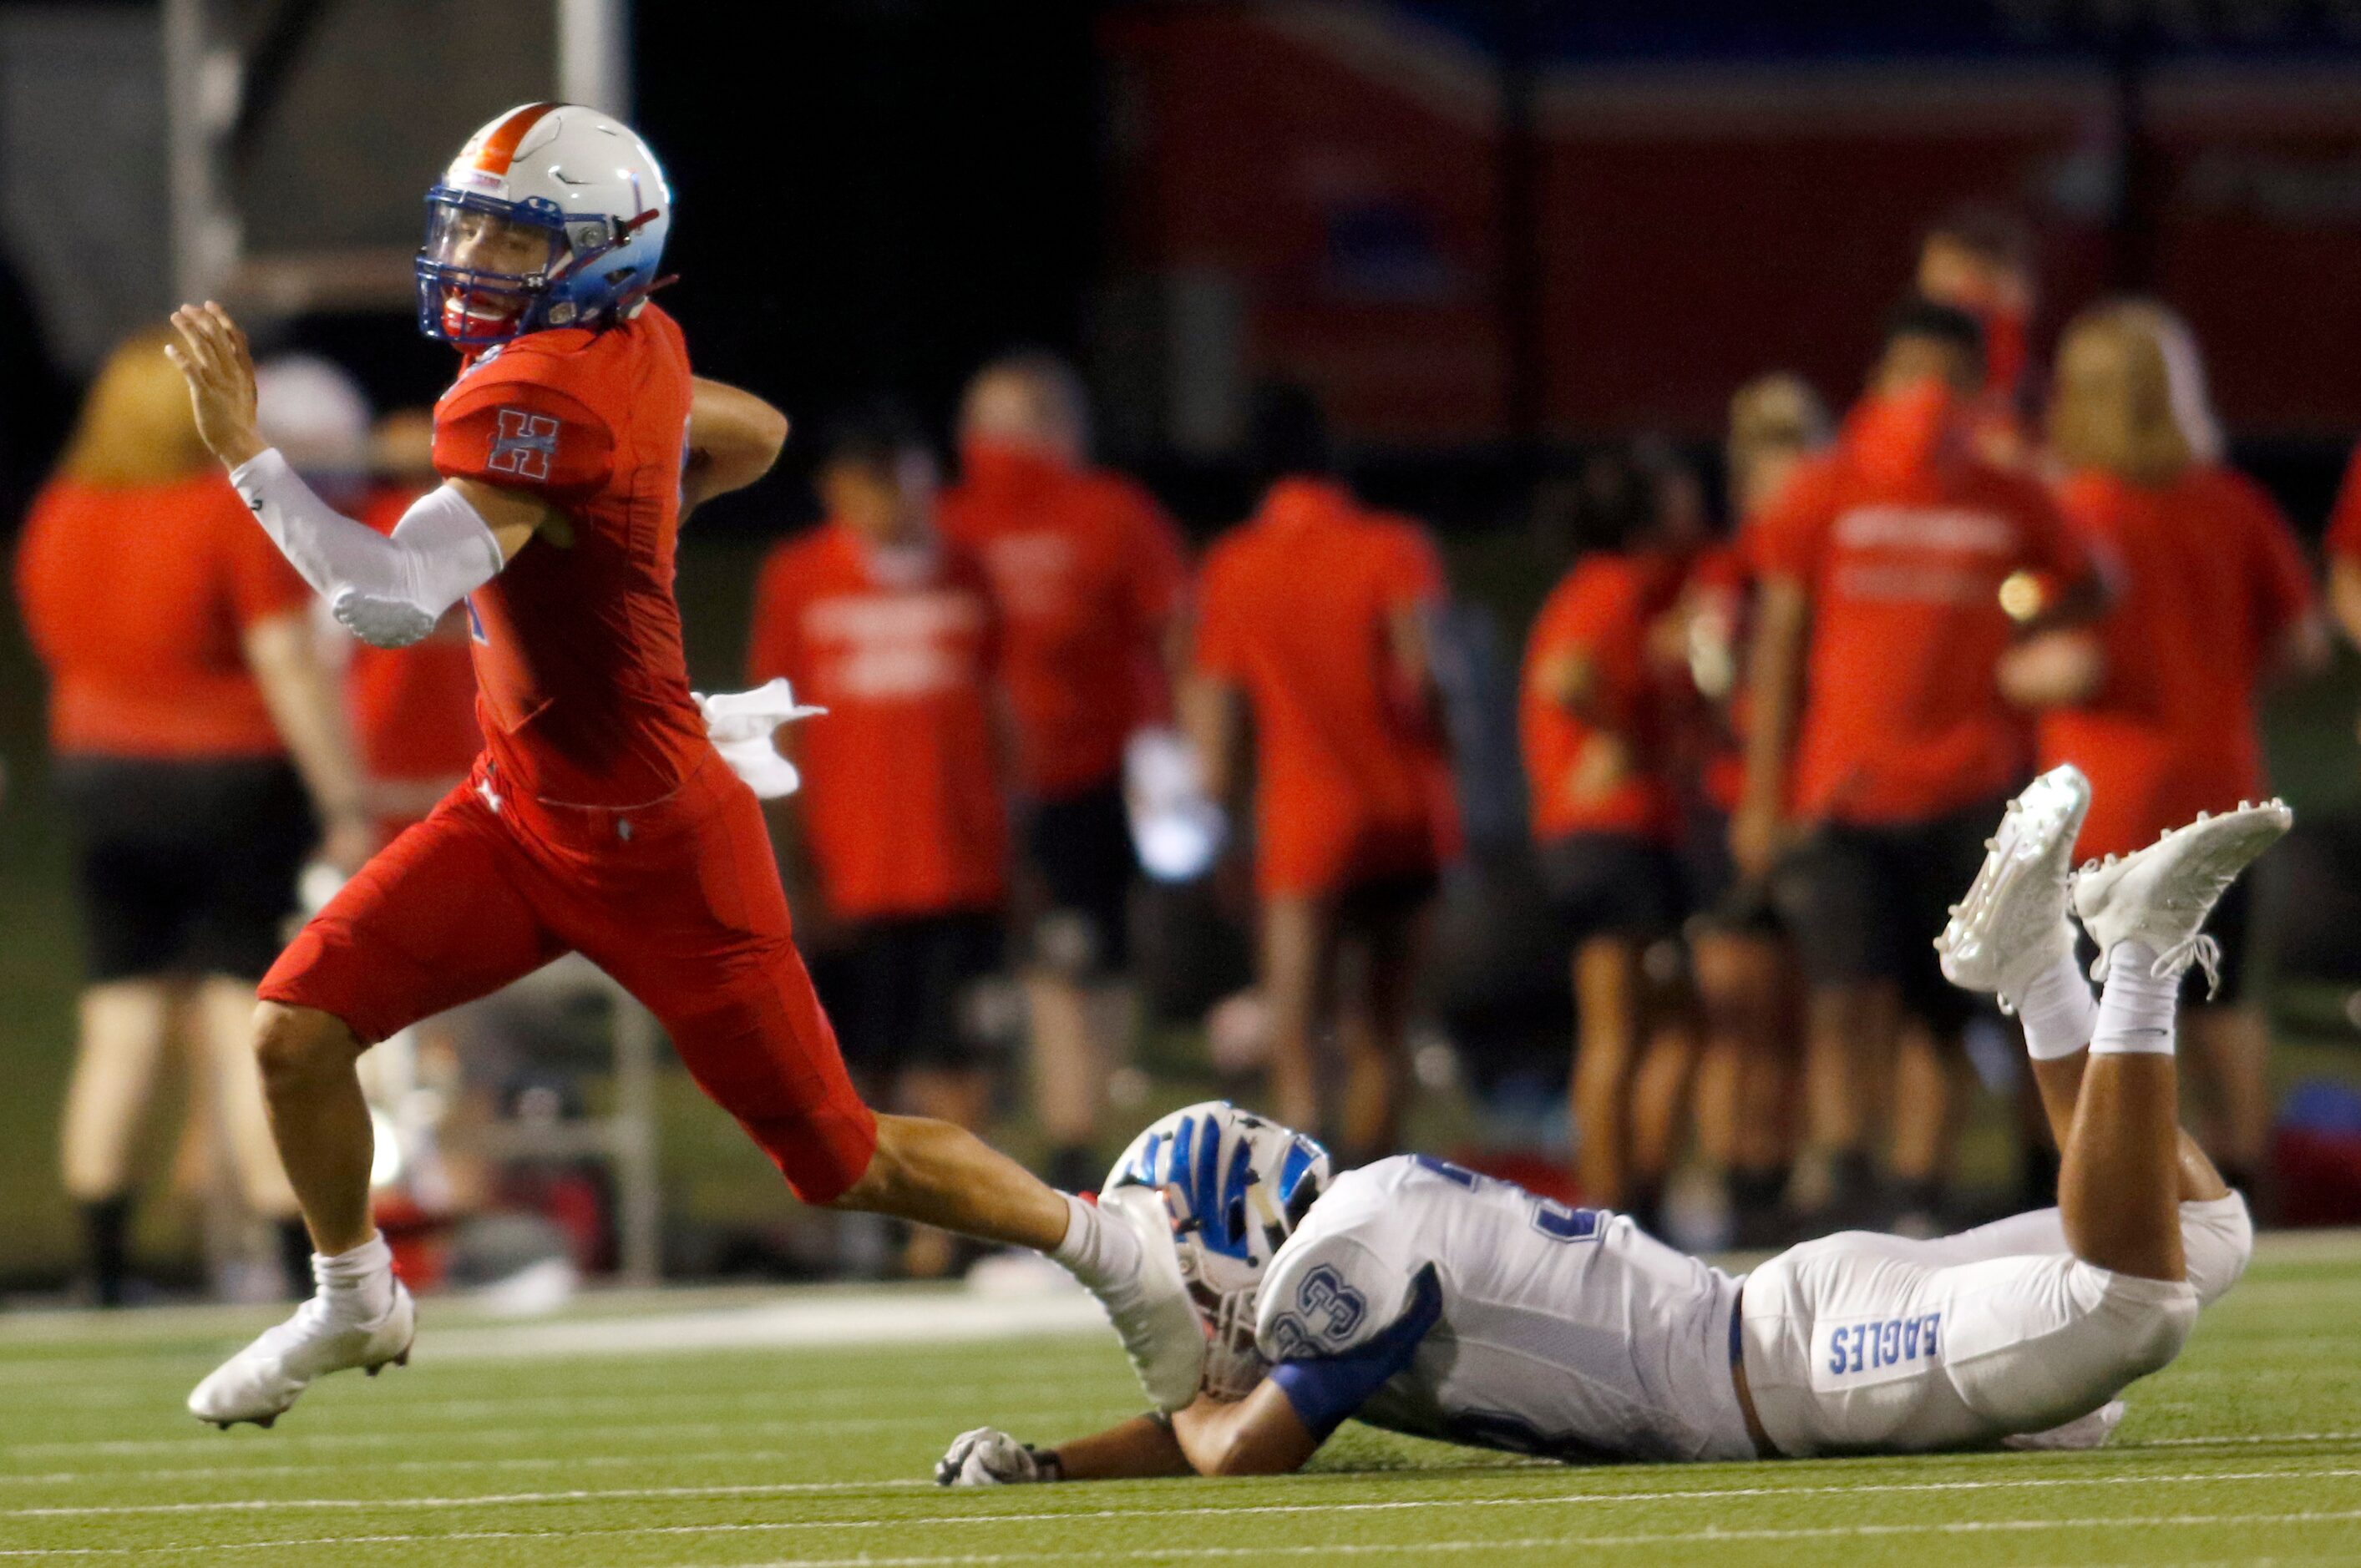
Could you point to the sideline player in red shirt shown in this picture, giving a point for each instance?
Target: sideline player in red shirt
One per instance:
(1311, 620)
(199, 754)
(1091, 578)
(896, 848)
(1880, 626)
(600, 818)
(2157, 704)
(1599, 726)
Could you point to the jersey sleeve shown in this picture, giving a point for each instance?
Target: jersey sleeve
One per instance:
(524, 432)
(2345, 523)
(262, 584)
(1342, 1311)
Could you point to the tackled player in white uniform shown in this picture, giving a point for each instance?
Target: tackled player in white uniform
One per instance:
(1426, 1299)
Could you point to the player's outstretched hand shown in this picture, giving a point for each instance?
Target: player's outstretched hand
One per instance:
(211, 353)
(989, 1457)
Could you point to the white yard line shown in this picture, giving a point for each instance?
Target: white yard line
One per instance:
(1711, 1535)
(1716, 1494)
(381, 1439)
(798, 1455)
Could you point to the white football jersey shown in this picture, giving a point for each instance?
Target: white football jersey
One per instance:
(1427, 1299)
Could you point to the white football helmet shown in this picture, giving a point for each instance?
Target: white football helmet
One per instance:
(1234, 1186)
(552, 215)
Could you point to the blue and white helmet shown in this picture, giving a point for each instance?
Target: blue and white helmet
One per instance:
(552, 215)
(1234, 1187)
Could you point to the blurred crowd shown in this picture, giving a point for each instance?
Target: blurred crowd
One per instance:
(1765, 736)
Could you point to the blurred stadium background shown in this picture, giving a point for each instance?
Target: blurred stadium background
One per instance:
(1488, 235)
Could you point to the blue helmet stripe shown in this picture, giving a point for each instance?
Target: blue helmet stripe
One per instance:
(1176, 1171)
(1208, 1197)
(1290, 1171)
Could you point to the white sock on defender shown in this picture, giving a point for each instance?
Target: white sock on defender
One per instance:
(2136, 1009)
(357, 1285)
(1096, 1251)
(2057, 1011)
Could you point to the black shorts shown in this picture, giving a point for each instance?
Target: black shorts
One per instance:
(1388, 896)
(2232, 924)
(1718, 899)
(1866, 904)
(185, 868)
(1083, 866)
(1611, 884)
(902, 992)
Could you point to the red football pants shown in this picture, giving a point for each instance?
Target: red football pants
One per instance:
(680, 902)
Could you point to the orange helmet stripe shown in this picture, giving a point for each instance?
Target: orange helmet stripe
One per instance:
(499, 143)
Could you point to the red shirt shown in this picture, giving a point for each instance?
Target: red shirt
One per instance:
(1294, 607)
(2212, 579)
(1903, 540)
(582, 687)
(136, 599)
(2345, 523)
(1090, 574)
(1600, 612)
(414, 709)
(901, 798)
(1721, 585)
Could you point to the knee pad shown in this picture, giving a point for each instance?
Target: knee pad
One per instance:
(2218, 1239)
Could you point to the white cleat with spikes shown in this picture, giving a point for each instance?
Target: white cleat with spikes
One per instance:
(2012, 927)
(2159, 897)
(1151, 1310)
(259, 1383)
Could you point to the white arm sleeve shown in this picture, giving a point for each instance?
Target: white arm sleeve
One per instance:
(386, 591)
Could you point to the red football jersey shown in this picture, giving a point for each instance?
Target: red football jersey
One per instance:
(902, 796)
(1292, 610)
(2212, 579)
(1902, 541)
(582, 687)
(1601, 611)
(137, 600)
(1090, 573)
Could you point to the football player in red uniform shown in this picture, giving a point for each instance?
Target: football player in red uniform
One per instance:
(600, 818)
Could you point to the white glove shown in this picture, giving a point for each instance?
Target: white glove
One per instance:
(990, 1457)
(740, 724)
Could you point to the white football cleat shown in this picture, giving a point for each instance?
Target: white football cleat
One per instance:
(2159, 897)
(2011, 927)
(1151, 1311)
(261, 1381)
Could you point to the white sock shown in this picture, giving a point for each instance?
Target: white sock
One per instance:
(357, 1285)
(1095, 1251)
(2057, 1011)
(2136, 1009)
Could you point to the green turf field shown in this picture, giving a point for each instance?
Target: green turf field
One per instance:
(531, 1444)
